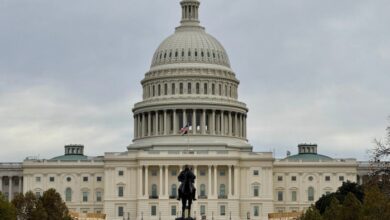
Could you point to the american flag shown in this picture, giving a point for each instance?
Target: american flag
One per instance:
(184, 130)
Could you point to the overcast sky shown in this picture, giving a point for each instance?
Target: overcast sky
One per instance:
(310, 71)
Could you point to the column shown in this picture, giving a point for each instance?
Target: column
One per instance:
(156, 127)
(230, 180)
(184, 117)
(20, 184)
(166, 181)
(215, 181)
(240, 126)
(160, 193)
(230, 123)
(1, 184)
(135, 131)
(235, 125)
(196, 174)
(212, 127)
(143, 125)
(222, 123)
(209, 190)
(194, 121)
(146, 182)
(203, 124)
(244, 133)
(140, 186)
(149, 123)
(218, 124)
(165, 122)
(236, 179)
(9, 188)
(139, 126)
(174, 122)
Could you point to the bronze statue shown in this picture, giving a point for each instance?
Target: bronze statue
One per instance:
(186, 191)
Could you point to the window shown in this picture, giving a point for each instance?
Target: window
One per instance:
(38, 179)
(68, 195)
(222, 173)
(222, 190)
(280, 196)
(205, 89)
(120, 211)
(98, 196)
(222, 210)
(341, 178)
(154, 173)
(159, 90)
(174, 173)
(173, 190)
(120, 191)
(68, 179)
(189, 88)
(255, 172)
(173, 88)
(202, 172)
(310, 178)
(256, 211)
(154, 90)
(294, 196)
(327, 178)
(280, 178)
(173, 210)
(220, 89)
(51, 179)
(203, 190)
(165, 89)
(256, 190)
(310, 194)
(85, 196)
(120, 173)
(293, 178)
(213, 89)
(202, 210)
(99, 179)
(327, 193)
(197, 88)
(181, 88)
(37, 194)
(85, 179)
(154, 191)
(153, 210)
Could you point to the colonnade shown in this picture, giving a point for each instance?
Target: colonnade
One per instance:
(7, 182)
(212, 181)
(199, 121)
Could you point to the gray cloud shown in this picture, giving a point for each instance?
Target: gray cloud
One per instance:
(310, 71)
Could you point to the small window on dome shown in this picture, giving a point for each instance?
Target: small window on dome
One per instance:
(213, 89)
(173, 89)
(189, 53)
(208, 54)
(196, 53)
(189, 89)
(170, 54)
(160, 56)
(176, 54)
(165, 55)
(214, 55)
(197, 88)
(202, 54)
(182, 53)
(205, 89)
(165, 89)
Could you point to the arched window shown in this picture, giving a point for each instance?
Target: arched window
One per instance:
(165, 89)
(159, 90)
(222, 190)
(181, 88)
(310, 194)
(202, 190)
(154, 90)
(154, 191)
(173, 190)
(213, 89)
(197, 88)
(220, 89)
(68, 195)
(173, 89)
(189, 88)
(205, 89)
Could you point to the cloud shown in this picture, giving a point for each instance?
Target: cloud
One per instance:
(310, 71)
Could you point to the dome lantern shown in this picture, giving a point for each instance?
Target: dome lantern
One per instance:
(190, 13)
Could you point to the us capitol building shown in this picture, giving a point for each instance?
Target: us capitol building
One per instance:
(190, 83)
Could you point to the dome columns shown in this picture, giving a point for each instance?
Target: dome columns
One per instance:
(200, 122)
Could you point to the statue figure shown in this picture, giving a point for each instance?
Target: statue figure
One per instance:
(186, 191)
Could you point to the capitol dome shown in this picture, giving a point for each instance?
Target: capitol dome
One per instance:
(190, 45)
(190, 86)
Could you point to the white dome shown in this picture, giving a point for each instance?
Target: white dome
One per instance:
(190, 45)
